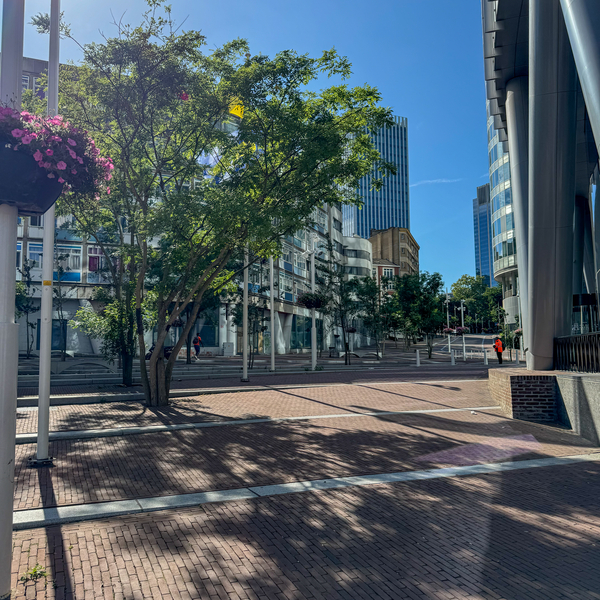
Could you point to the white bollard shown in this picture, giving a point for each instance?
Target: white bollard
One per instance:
(517, 356)
(449, 344)
(418, 359)
(464, 349)
(485, 357)
(452, 359)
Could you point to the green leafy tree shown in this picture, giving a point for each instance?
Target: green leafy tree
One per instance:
(375, 306)
(194, 192)
(24, 302)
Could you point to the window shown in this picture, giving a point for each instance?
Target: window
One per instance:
(35, 255)
(24, 82)
(337, 225)
(402, 236)
(287, 254)
(388, 272)
(36, 221)
(403, 250)
(68, 259)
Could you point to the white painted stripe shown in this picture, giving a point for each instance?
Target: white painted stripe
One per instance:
(30, 519)
(31, 438)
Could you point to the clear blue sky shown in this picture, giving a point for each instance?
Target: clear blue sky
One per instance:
(425, 56)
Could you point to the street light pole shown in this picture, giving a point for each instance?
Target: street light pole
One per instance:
(448, 321)
(313, 331)
(272, 298)
(43, 456)
(245, 320)
(462, 323)
(11, 68)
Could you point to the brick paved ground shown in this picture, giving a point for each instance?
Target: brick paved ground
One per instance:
(365, 397)
(522, 535)
(230, 457)
(469, 370)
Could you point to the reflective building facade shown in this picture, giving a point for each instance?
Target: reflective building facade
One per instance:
(388, 207)
(482, 229)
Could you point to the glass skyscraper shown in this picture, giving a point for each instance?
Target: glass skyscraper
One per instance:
(388, 207)
(482, 227)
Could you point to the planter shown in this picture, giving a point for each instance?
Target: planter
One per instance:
(24, 184)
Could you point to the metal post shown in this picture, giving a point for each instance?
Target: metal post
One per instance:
(462, 323)
(43, 456)
(452, 359)
(272, 297)
(313, 331)
(418, 359)
(449, 344)
(11, 67)
(485, 357)
(245, 319)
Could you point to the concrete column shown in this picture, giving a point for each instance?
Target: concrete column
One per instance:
(582, 19)
(578, 244)
(222, 325)
(517, 117)
(552, 121)
(589, 270)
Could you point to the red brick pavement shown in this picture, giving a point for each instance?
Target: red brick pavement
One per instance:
(359, 375)
(521, 535)
(359, 398)
(231, 457)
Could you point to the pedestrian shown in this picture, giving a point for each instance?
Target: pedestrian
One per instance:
(499, 349)
(197, 341)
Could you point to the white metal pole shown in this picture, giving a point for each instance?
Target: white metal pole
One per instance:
(464, 347)
(43, 455)
(485, 357)
(313, 331)
(418, 359)
(272, 297)
(452, 359)
(449, 344)
(11, 68)
(245, 319)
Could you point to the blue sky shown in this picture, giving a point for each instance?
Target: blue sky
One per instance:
(425, 56)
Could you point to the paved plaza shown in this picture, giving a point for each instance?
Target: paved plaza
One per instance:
(374, 489)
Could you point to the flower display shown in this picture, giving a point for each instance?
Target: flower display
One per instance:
(61, 150)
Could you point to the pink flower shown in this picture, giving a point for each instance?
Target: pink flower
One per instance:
(49, 152)
(51, 176)
(80, 160)
(55, 138)
(27, 117)
(72, 142)
(27, 139)
(109, 177)
(73, 155)
(74, 171)
(61, 180)
(38, 156)
(47, 165)
(108, 190)
(18, 133)
(183, 96)
(61, 165)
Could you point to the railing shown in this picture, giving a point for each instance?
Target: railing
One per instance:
(579, 353)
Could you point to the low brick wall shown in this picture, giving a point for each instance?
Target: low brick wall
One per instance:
(524, 395)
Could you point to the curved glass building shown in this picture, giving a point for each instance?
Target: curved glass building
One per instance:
(504, 246)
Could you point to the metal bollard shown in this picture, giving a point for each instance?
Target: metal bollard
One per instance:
(418, 359)
(452, 359)
(464, 349)
(517, 356)
(485, 357)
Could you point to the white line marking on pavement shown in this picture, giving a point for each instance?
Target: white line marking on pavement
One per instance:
(43, 517)
(31, 438)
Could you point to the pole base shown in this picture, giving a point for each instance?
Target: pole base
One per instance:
(245, 380)
(36, 463)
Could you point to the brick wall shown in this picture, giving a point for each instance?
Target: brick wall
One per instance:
(524, 395)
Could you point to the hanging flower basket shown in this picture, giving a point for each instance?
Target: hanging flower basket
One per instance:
(42, 157)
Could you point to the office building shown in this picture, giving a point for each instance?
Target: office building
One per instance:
(482, 233)
(396, 245)
(542, 72)
(388, 207)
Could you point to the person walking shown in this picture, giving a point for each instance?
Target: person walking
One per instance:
(197, 341)
(499, 349)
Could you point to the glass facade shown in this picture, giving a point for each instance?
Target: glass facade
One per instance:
(388, 207)
(482, 227)
(503, 226)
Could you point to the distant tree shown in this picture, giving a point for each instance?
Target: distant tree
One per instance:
(24, 303)
(375, 306)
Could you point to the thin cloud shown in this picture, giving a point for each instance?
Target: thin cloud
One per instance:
(432, 181)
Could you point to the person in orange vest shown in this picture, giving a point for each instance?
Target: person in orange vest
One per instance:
(499, 349)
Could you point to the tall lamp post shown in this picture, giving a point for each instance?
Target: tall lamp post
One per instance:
(448, 321)
(11, 67)
(42, 455)
(462, 323)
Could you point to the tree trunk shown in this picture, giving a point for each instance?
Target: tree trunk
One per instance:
(127, 362)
